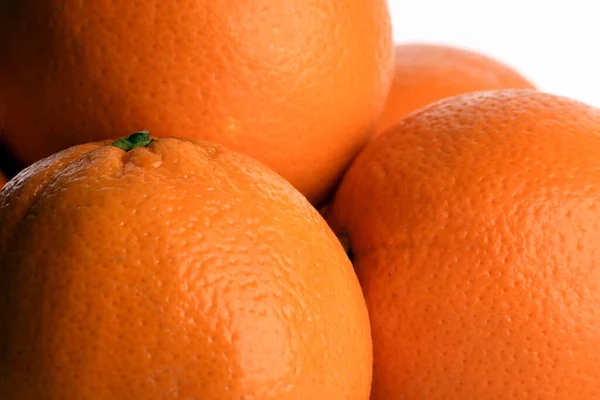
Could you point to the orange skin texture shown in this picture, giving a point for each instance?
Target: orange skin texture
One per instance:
(282, 81)
(474, 225)
(178, 271)
(425, 73)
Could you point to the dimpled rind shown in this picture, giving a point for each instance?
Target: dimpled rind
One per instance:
(296, 84)
(475, 225)
(177, 271)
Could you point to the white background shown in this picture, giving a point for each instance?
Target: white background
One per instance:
(554, 43)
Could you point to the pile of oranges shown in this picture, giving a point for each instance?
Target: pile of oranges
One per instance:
(269, 200)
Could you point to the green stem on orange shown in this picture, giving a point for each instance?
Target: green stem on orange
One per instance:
(138, 139)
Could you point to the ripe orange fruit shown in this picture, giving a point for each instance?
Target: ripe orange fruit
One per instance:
(296, 84)
(426, 73)
(474, 227)
(177, 270)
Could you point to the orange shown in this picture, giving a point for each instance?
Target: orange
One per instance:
(296, 84)
(173, 270)
(473, 226)
(427, 72)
